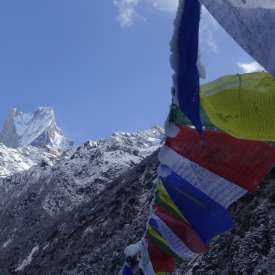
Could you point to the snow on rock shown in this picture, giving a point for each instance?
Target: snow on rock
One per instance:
(86, 171)
(38, 129)
(27, 140)
(33, 203)
(78, 174)
(14, 161)
(7, 242)
(90, 238)
(28, 260)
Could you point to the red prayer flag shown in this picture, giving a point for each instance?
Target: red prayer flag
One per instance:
(242, 162)
(183, 230)
(161, 261)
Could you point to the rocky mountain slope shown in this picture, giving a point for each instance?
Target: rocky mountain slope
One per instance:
(73, 214)
(81, 174)
(90, 238)
(38, 129)
(34, 202)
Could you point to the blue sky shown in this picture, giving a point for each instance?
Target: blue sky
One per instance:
(102, 64)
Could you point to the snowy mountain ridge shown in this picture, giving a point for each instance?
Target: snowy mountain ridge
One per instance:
(29, 139)
(87, 171)
(78, 174)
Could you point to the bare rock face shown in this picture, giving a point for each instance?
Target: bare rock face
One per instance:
(38, 129)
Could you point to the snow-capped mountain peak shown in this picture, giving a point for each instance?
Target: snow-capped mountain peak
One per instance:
(38, 129)
(43, 117)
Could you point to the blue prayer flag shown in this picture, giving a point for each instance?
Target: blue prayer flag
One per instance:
(184, 47)
(207, 217)
(127, 271)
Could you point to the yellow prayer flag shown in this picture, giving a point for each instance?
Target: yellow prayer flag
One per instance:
(242, 105)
